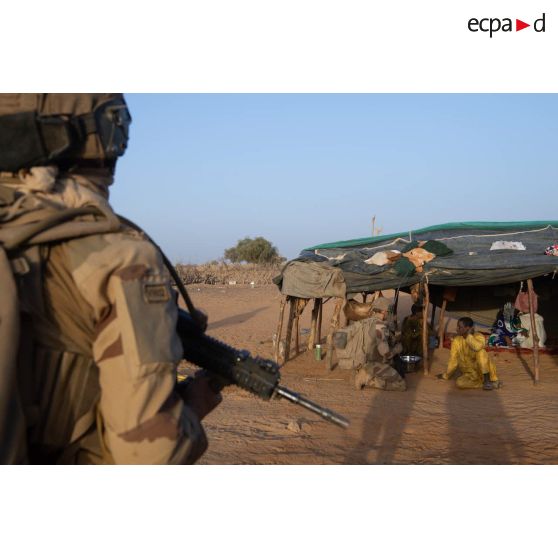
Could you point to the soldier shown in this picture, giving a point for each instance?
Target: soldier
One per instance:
(378, 372)
(92, 377)
(369, 346)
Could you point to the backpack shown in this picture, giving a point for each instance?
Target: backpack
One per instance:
(18, 247)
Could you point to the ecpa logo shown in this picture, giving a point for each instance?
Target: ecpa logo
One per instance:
(494, 24)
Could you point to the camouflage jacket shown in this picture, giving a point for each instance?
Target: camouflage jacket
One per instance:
(98, 350)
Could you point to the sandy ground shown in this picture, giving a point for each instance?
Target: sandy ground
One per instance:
(432, 422)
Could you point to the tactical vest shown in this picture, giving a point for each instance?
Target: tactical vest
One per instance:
(26, 232)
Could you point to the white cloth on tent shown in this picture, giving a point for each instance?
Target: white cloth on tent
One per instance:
(334, 258)
(383, 258)
(507, 245)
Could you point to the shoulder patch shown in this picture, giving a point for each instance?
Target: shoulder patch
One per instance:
(156, 292)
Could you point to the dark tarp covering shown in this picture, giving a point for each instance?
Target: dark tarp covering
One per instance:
(472, 263)
(305, 278)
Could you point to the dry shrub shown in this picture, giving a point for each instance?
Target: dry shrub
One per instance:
(224, 274)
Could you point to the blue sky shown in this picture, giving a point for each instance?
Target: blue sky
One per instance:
(203, 171)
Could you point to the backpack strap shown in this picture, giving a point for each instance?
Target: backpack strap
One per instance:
(12, 421)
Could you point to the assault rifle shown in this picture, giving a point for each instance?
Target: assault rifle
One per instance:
(227, 365)
(232, 366)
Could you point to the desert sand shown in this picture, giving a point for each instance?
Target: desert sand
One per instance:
(432, 422)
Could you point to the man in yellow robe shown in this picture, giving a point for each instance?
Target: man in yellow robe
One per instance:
(468, 354)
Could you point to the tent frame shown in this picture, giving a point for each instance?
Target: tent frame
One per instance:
(297, 305)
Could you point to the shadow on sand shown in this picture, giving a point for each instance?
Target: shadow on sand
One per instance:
(473, 428)
(479, 430)
(235, 320)
(525, 365)
(385, 424)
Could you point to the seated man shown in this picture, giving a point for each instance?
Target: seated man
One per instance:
(469, 355)
(411, 332)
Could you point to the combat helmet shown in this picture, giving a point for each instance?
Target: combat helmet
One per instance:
(69, 130)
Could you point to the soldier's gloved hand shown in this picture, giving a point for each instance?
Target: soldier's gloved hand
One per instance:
(201, 393)
(200, 318)
(440, 377)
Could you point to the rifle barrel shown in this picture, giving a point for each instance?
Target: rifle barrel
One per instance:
(327, 414)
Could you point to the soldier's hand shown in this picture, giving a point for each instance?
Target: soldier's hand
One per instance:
(201, 394)
(200, 318)
(440, 377)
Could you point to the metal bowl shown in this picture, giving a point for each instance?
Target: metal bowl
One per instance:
(410, 358)
(409, 363)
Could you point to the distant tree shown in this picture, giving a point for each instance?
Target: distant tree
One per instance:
(253, 250)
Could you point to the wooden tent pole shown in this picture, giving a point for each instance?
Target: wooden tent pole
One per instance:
(319, 337)
(297, 330)
(441, 328)
(289, 335)
(534, 335)
(314, 325)
(279, 327)
(425, 329)
(333, 327)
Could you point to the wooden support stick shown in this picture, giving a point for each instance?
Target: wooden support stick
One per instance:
(314, 325)
(441, 325)
(534, 335)
(425, 329)
(289, 335)
(334, 326)
(319, 337)
(297, 332)
(279, 327)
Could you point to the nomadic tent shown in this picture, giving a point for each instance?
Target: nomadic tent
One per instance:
(487, 263)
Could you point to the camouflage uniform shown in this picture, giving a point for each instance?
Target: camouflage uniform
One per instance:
(98, 347)
(369, 349)
(98, 356)
(378, 372)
